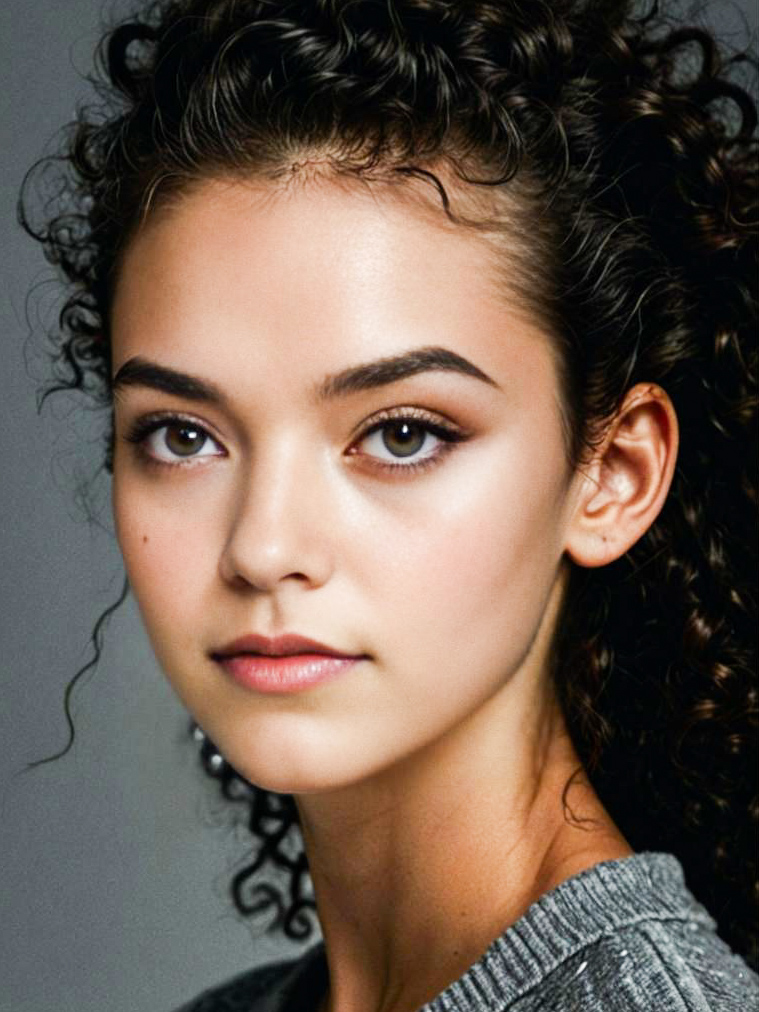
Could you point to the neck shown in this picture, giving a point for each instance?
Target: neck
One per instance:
(419, 868)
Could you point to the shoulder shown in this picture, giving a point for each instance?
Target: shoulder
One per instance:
(667, 965)
(262, 989)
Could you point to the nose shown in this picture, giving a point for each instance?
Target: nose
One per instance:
(278, 522)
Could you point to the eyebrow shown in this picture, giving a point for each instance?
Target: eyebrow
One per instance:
(138, 371)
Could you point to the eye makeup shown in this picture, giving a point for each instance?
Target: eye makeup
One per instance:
(414, 419)
(141, 432)
(154, 450)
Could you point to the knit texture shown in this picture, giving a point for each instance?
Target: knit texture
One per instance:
(622, 936)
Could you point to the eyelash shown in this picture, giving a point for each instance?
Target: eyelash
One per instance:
(424, 421)
(145, 427)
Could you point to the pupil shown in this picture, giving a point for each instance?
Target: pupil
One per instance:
(406, 438)
(184, 440)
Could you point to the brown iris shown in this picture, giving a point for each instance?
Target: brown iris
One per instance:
(403, 438)
(184, 440)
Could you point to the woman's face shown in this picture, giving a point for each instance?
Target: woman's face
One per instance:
(431, 549)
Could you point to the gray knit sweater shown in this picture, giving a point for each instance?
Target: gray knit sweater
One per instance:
(622, 936)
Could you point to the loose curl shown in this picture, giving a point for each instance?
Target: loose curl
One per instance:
(625, 153)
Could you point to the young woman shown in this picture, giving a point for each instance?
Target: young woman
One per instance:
(425, 332)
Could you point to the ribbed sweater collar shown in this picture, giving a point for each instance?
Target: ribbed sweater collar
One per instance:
(580, 910)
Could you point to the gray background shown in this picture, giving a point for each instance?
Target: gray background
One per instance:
(115, 859)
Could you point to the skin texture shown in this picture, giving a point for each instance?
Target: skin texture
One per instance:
(429, 776)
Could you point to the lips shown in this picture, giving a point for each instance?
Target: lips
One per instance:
(283, 664)
(286, 645)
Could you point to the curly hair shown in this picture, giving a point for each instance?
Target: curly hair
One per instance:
(627, 152)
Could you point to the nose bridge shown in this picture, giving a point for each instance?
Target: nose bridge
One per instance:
(273, 527)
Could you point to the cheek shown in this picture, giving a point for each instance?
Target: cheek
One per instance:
(467, 594)
(165, 553)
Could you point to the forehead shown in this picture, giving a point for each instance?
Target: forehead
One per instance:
(313, 279)
(311, 233)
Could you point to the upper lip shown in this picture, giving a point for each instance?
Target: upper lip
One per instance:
(277, 646)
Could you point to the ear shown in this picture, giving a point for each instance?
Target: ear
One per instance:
(620, 492)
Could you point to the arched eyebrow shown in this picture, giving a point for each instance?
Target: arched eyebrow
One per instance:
(138, 371)
(384, 371)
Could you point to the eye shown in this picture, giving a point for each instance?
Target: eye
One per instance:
(408, 440)
(172, 440)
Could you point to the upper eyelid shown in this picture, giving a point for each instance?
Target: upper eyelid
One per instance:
(158, 419)
(416, 412)
(422, 415)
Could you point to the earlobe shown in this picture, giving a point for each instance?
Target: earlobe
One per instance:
(623, 489)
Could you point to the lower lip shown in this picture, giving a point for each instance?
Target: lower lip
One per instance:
(285, 674)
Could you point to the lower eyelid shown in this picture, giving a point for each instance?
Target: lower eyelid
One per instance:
(207, 450)
(439, 452)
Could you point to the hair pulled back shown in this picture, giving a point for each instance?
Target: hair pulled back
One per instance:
(626, 154)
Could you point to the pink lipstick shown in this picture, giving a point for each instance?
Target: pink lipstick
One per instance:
(288, 663)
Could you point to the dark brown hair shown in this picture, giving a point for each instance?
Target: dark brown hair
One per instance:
(632, 149)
